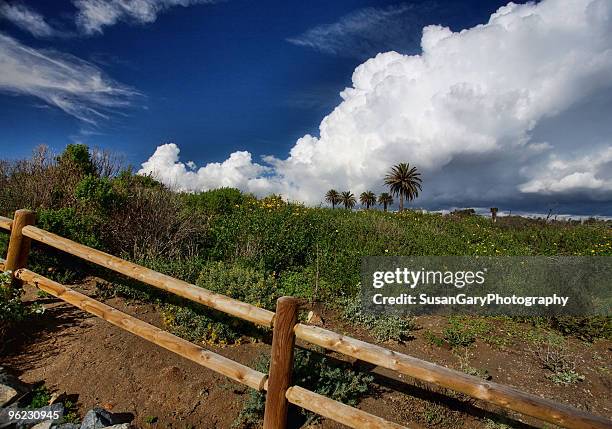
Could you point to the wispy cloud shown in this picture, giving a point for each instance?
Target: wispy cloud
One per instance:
(27, 19)
(94, 15)
(76, 86)
(365, 32)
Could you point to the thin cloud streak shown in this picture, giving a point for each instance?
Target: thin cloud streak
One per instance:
(76, 86)
(27, 19)
(366, 32)
(94, 15)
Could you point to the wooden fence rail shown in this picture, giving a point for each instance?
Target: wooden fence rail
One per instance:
(183, 289)
(5, 223)
(498, 394)
(284, 334)
(208, 359)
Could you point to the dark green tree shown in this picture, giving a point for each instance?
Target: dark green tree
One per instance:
(333, 197)
(404, 181)
(385, 199)
(348, 199)
(367, 198)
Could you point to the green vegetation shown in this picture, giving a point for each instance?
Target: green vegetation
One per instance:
(12, 309)
(382, 327)
(368, 199)
(40, 397)
(150, 420)
(404, 181)
(385, 199)
(313, 372)
(258, 249)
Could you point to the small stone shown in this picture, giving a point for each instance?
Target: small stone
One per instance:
(43, 425)
(7, 394)
(108, 406)
(97, 418)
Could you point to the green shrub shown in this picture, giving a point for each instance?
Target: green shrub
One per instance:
(204, 325)
(301, 283)
(313, 372)
(463, 330)
(186, 269)
(383, 327)
(199, 325)
(218, 201)
(77, 155)
(242, 283)
(433, 339)
(68, 223)
(97, 194)
(126, 181)
(584, 328)
(40, 397)
(12, 309)
(566, 377)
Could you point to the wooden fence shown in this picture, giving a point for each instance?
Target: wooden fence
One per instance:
(285, 328)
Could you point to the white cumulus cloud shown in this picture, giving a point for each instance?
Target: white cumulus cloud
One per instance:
(76, 86)
(238, 170)
(473, 111)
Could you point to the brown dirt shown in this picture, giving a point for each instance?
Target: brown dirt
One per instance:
(73, 352)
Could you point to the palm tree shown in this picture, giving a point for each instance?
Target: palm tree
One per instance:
(333, 197)
(404, 181)
(385, 199)
(348, 199)
(367, 199)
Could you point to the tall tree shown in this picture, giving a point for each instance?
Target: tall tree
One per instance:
(385, 199)
(348, 199)
(367, 198)
(404, 181)
(333, 197)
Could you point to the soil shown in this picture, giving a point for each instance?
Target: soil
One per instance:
(101, 365)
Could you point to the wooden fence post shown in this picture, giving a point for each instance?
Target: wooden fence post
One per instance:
(281, 363)
(19, 245)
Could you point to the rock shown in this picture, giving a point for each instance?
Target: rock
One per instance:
(66, 426)
(7, 394)
(98, 418)
(8, 384)
(314, 319)
(43, 425)
(121, 426)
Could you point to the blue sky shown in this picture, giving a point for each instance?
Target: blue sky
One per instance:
(480, 100)
(214, 78)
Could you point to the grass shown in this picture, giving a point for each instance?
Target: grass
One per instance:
(40, 397)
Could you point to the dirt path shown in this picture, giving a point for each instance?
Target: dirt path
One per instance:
(76, 353)
(82, 355)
